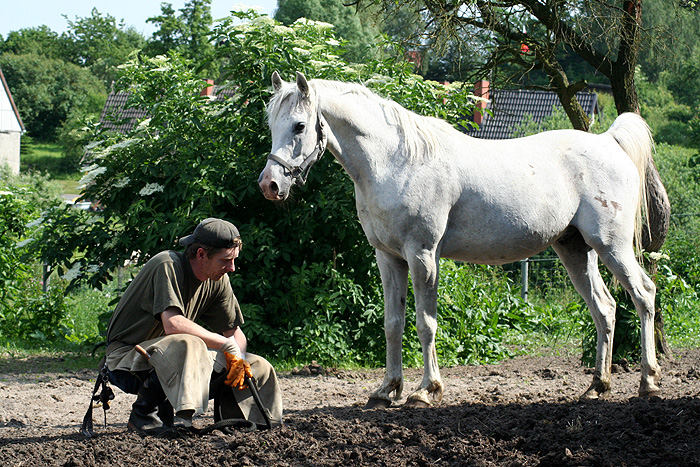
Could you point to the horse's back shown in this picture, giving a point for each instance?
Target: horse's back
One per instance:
(519, 195)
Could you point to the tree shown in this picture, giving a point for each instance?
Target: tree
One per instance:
(527, 34)
(187, 33)
(169, 35)
(46, 91)
(356, 27)
(99, 43)
(673, 33)
(39, 41)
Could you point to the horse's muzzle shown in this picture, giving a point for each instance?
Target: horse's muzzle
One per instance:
(270, 188)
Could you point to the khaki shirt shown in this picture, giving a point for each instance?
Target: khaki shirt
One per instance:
(165, 281)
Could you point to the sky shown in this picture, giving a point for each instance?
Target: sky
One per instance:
(15, 15)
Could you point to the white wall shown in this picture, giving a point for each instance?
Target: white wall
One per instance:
(10, 131)
(9, 150)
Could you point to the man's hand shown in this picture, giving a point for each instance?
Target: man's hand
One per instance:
(237, 370)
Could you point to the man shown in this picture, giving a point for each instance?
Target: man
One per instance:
(181, 309)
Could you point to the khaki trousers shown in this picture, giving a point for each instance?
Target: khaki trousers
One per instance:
(184, 368)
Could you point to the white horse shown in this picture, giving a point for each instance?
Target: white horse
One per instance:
(424, 191)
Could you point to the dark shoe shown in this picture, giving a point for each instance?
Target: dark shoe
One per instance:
(165, 413)
(144, 423)
(150, 403)
(183, 419)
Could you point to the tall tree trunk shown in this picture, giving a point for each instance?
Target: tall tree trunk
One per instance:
(622, 76)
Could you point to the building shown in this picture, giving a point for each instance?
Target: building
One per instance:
(509, 108)
(11, 128)
(117, 117)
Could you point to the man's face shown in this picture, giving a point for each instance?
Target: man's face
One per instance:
(217, 265)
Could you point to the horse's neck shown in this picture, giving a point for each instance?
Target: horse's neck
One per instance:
(360, 139)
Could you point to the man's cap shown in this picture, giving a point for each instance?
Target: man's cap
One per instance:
(212, 232)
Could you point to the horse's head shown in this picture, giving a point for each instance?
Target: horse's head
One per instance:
(298, 137)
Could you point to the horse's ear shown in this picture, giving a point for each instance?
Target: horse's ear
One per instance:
(302, 84)
(276, 81)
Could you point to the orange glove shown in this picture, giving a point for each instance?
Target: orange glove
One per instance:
(237, 369)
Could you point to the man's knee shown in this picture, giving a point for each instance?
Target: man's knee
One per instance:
(181, 345)
(261, 368)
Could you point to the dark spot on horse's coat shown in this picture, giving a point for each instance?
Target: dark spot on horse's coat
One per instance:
(602, 201)
(616, 205)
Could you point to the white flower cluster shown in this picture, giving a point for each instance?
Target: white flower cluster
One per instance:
(150, 189)
(121, 183)
(320, 25)
(24, 243)
(91, 172)
(656, 255)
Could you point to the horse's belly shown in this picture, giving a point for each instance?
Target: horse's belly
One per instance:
(491, 254)
(499, 243)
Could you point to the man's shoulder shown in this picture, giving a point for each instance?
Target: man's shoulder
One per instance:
(167, 257)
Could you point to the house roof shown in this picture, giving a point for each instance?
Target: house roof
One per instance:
(510, 107)
(116, 116)
(12, 102)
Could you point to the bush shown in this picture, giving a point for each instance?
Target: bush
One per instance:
(306, 278)
(474, 318)
(26, 311)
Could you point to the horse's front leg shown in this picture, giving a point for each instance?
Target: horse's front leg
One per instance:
(424, 268)
(394, 273)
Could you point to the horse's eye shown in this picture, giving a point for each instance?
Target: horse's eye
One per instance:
(299, 128)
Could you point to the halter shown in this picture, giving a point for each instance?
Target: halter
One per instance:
(301, 171)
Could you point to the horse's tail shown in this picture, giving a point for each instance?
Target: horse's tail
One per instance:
(654, 211)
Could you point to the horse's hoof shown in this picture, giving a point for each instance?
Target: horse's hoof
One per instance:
(592, 394)
(597, 390)
(654, 391)
(376, 403)
(416, 404)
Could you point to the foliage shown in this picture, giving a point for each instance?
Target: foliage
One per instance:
(37, 41)
(671, 121)
(47, 91)
(557, 120)
(195, 157)
(477, 306)
(674, 35)
(186, 33)
(356, 27)
(680, 170)
(99, 43)
(26, 311)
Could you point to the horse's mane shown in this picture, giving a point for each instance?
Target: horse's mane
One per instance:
(422, 136)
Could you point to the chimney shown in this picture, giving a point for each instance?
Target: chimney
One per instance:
(209, 89)
(415, 57)
(481, 89)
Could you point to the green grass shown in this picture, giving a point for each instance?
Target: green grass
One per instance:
(48, 157)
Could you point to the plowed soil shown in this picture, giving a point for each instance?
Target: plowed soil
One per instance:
(523, 411)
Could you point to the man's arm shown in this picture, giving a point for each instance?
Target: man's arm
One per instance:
(241, 339)
(175, 323)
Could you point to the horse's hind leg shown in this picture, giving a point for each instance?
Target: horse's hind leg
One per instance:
(424, 269)
(394, 273)
(629, 273)
(581, 262)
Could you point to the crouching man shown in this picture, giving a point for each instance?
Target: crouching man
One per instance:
(181, 309)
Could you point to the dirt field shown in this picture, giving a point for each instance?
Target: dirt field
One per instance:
(520, 412)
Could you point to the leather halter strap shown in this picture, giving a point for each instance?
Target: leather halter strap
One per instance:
(300, 172)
